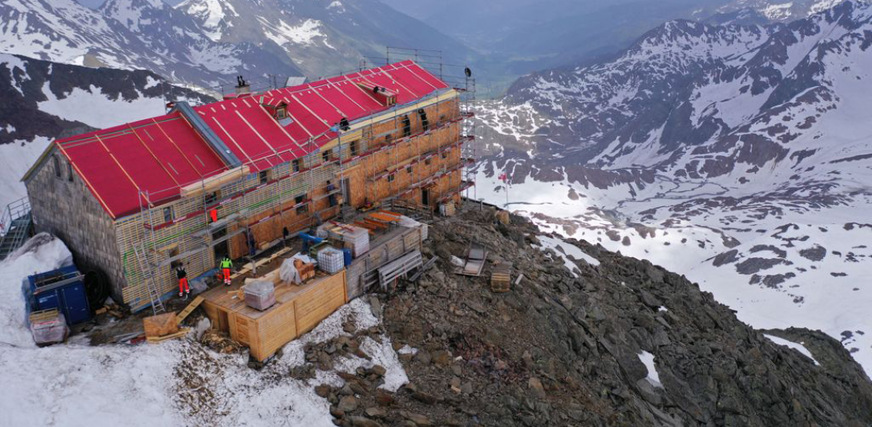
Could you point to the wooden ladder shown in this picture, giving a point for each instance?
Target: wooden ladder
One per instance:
(150, 284)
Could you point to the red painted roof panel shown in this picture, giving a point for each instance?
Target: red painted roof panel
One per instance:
(163, 154)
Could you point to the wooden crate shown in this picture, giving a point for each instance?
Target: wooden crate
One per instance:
(318, 302)
(298, 309)
(501, 278)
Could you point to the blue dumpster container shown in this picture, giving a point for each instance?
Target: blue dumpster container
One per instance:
(62, 289)
(347, 253)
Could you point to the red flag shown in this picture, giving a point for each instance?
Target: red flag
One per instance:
(503, 177)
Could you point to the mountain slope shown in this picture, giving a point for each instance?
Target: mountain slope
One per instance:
(43, 101)
(130, 34)
(321, 36)
(738, 154)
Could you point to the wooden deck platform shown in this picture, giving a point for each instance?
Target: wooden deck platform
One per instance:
(298, 309)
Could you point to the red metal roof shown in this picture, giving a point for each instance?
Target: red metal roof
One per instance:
(163, 154)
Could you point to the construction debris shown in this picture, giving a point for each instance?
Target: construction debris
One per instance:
(182, 332)
(160, 325)
(474, 263)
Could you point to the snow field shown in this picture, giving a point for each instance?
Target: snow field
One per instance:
(173, 383)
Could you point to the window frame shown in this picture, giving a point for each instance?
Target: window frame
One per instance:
(304, 208)
(407, 126)
(169, 214)
(57, 165)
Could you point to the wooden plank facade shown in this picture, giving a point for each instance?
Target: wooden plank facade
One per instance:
(410, 155)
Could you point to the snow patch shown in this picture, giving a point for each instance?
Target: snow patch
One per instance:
(790, 344)
(653, 377)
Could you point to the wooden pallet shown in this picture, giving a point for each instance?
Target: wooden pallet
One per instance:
(182, 332)
(191, 307)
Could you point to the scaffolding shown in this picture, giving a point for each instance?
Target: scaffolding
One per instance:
(461, 79)
(188, 228)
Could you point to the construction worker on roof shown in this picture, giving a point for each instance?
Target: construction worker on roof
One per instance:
(184, 290)
(226, 265)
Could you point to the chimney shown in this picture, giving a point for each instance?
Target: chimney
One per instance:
(242, 87)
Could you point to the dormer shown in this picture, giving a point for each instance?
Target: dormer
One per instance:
(278, 109)
(380, 93)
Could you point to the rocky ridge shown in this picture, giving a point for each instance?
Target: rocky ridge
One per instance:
(577, 347)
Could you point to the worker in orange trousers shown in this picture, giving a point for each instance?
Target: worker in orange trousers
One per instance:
(184, 289)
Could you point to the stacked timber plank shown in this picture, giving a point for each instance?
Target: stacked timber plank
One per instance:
(298, 309)
(501, 277)
(351, 236)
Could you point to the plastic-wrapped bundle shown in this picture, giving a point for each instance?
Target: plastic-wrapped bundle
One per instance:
(288, 272)
(260, 294)
(50, 330)
(331, 260)
(291, 272)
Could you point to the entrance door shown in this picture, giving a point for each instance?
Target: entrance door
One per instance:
(221, 249)
(425, 196)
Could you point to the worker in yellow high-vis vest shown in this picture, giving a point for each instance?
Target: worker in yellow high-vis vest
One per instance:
(226, 266)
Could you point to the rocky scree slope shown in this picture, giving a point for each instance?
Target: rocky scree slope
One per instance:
(738, 155)
(579, 347)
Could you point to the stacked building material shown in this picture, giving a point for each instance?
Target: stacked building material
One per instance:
(352, 237)
(48, 327)
(331, 260)
(260, 294)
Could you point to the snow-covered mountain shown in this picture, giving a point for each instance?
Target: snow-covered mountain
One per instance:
(44, 100)
(779, 10)
(132, 34)
(737, 154)
(320, 36)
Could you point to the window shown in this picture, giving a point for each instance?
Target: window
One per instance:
(281, 113)
(427, 161)
(211, 198)
(263, 177)
(409, 169)
(295, 165)
(302, 208)
(352, 148)
(325, 156)
(425, 124)
(70, 172)
(172, 253)
(57, 165)
(407, 126)
(391, 178)
(444, 154)
(168, 214)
